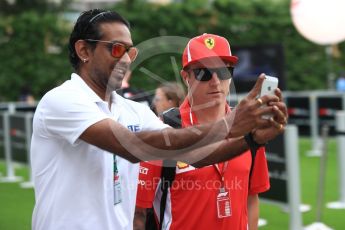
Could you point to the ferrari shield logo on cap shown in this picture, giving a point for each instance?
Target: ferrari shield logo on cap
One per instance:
(209, 42)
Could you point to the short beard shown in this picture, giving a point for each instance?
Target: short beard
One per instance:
(116, 77)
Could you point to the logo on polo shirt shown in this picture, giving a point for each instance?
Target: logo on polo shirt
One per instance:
(134, 128)
(143, 170)
(182, 165)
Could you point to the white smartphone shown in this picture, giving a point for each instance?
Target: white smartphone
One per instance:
(268, 86)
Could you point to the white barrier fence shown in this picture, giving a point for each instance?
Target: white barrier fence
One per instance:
(16, 131)
(294, 191)
(340, 121)
(10, 174)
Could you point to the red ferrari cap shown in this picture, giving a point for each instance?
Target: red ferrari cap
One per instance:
(207, 46)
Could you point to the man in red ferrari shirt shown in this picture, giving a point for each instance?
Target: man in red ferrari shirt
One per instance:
(220, 196)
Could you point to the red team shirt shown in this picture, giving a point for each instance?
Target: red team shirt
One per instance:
(192, 198)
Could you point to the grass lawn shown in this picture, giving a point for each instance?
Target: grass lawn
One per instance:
(16, 204)
(309, 169)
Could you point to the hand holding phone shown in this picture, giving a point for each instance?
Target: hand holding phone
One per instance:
(268, 87)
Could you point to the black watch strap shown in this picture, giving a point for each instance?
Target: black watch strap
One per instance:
(253, 145)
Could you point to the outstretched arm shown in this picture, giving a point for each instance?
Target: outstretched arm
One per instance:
(182, 144)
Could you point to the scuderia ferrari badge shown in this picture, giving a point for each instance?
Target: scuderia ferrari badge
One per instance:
(210, 42)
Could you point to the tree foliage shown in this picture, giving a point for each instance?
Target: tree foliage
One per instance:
(243, 23)
(30, 31)
(28, 58)
(13, 7)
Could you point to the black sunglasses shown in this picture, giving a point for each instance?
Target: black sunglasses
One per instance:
(205, 74)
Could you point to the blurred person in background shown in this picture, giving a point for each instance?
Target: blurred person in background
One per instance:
(132, 93)
(87, 139)
(26, 95)
(219, 196)
(340, 83)
(167, 95)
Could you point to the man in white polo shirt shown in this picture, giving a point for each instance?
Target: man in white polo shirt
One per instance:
(86, 138)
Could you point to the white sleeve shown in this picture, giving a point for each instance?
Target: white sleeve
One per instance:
(67, 114)
(151, 121)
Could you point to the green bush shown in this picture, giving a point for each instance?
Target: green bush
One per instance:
(26, 33)
(243, 23)
(26, 59)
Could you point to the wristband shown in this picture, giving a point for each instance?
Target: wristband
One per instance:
(253, 145)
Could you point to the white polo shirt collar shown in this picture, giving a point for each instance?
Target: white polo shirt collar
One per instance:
(75, 78)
